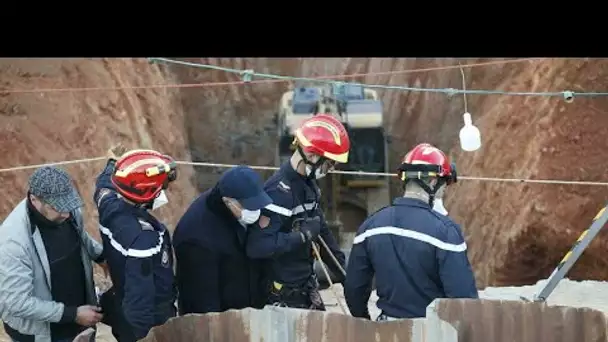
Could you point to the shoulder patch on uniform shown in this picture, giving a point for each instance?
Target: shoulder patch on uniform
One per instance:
(283, 187)
(145, 225)
(164, 259)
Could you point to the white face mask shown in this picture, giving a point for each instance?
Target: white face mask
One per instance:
(249, 217)
(160, 200)
(318, 173)
(438, 207)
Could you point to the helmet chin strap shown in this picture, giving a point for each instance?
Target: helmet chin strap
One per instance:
(430, 190)
(313, 166)
(415, 173)
(148, 205)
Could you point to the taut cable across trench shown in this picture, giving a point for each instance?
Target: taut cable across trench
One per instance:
(356, 173)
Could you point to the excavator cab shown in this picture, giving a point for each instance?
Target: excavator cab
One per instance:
(296, 106)
(360, 111)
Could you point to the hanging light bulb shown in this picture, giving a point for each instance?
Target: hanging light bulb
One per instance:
(470, 138)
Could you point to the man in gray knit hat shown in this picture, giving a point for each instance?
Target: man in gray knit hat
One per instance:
(46, 275)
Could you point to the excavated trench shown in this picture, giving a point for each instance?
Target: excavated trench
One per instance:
(516, 233)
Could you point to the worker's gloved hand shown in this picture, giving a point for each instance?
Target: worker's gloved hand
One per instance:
(311, 227)
(116, 151)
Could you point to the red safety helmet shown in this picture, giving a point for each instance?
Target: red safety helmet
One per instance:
(426, 160)
(140, 175)
(325, 136)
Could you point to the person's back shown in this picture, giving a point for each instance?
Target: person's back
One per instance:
(417, 255)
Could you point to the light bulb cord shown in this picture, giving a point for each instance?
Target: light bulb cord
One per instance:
(467, 119)
(464, 88)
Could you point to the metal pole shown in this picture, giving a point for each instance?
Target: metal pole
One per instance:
(333, 289)
(333, 257)
(599, 221)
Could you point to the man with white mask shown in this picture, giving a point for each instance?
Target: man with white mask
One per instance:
(416, 251)
(213, 272)
(294, 221)
(137, 246)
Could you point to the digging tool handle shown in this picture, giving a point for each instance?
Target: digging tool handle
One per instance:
(333, 257)
(333, 290)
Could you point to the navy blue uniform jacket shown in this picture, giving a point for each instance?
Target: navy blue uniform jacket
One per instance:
(213, 271)
(138, 251)
(416, 254)
(290, 260)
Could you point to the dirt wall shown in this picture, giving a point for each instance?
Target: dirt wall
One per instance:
(43, 127)
(516, 232)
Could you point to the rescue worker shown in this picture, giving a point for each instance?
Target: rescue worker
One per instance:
(416, 253)
(295, 219)
(137, 246)
(214, 273)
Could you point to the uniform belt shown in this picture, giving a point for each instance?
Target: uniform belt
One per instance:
(307, 286)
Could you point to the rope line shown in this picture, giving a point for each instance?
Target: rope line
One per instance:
(35, 166)
(249, 73)
(219, 84)
(356, 173)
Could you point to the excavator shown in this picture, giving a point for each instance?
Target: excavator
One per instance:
(361, 112)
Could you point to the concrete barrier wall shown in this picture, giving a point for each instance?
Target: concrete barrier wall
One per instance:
(448, 320)
(274, 324)
(518, 321)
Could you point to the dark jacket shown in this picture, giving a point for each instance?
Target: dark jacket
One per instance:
(289, 259)
(416, 254)
(138, 251)
(213, 271)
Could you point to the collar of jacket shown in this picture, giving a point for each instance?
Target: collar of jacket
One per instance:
(293, 175)
(410, 202)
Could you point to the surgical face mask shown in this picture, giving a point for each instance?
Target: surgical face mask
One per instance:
(438, 206)
(318, 173)
(249, 216)
(160, 200)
